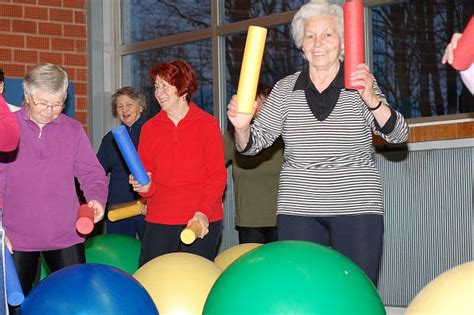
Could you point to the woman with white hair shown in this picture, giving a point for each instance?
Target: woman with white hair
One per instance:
(330, 191)
(37, 187)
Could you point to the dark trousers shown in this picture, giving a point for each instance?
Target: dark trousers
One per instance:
(358, 237)
(27, 263)
(261, 235)
(160, 239)
(132, 227)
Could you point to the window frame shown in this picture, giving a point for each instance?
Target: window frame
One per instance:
(453, 126)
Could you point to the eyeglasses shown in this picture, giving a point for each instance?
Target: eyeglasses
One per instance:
(44, 106)
(122, 107)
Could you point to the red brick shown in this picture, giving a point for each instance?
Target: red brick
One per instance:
(6, 54)
(50, 3)
(75, 30)
(25, 1)
(81, 103)
(82, 117)
(50, 29)
(79, 4)
(23, 26)
(14, 70)
(78, 60)
(71, 73)
(12, 40)
(79, 17)
(61, 15)
(25, 56)
(36, 13)
(81, 75)
(63, 44)
(80, 89)
(5, 25)
(81, 45)
(11, 10)
(37, 42)
(51, 57)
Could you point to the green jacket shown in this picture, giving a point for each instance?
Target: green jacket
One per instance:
(255, 183)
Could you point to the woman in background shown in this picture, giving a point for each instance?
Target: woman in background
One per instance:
(255, 184)
(128, 105)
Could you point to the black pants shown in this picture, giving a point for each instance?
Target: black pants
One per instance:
(359, 237)
(261, 235)
(27, 263)
(160, 239)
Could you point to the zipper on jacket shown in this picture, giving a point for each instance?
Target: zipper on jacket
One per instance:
(40, 133)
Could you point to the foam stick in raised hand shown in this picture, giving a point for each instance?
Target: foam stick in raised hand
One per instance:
(15, 294)
(354, 53)
(250, 69)
(85, 219)
(190, 233)
(125, 212)
(130, 154)
(464, 52)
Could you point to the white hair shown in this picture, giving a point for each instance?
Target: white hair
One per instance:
(46, 77)
(317, 8)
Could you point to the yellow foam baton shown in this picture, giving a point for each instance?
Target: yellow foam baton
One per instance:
(250, 70)
(190, 233)
(125, 212)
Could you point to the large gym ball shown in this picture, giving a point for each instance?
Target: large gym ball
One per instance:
(178, 283)
(450, 293)
(293, 277)
(116, 250)
(228, 256)
(88, 289)
(119, 251)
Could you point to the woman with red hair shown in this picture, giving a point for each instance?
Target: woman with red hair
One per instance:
(181, 148)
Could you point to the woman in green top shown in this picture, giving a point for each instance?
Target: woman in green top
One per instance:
(255, 185)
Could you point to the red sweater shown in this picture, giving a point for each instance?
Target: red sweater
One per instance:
(9, 130)
(187, 166)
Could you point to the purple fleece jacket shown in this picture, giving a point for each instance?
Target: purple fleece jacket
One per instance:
(37, 187)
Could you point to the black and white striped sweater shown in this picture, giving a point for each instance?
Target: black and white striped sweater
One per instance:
(328, 168)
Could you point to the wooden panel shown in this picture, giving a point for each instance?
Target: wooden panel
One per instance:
(436, 132)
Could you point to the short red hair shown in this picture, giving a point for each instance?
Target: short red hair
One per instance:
(177, 73)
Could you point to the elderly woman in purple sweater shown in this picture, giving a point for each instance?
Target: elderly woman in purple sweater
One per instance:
(37, 188)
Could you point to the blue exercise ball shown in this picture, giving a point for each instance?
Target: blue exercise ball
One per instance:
(88, 289)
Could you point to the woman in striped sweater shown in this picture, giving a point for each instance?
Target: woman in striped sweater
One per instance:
(330, 190)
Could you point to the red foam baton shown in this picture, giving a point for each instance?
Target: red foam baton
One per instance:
(464, 52)
(85, 219)
(354, 53)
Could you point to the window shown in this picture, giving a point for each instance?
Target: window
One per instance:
(135, 69)
(409, 39)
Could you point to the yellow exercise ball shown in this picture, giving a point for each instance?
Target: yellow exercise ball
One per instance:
(224, 259)
(178, 283)
(450, 293)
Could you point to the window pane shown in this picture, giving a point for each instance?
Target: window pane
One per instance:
(135, 68)
(238, 10)
(409, 39)
(150, 19)
(281, 57)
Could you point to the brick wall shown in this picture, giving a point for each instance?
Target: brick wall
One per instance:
(33, 31)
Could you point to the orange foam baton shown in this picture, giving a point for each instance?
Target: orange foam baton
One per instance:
(125, 212)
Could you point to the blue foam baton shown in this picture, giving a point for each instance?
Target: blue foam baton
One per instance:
(15, 294)
(130, 154)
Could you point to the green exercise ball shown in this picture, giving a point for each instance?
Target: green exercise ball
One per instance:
(293, 277)
(119, 251)
(116, 250)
